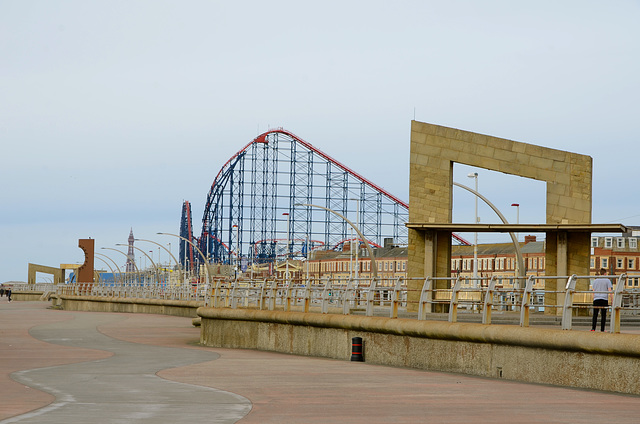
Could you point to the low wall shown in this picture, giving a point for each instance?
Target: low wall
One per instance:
(26, 296)
(592, 360)
(180, 308)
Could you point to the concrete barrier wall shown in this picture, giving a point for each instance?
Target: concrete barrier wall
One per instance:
(115, 304)
(26, 296)
(599, 361)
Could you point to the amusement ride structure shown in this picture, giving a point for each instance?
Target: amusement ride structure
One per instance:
(257, 209)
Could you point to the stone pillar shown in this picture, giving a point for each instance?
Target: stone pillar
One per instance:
(567, 253)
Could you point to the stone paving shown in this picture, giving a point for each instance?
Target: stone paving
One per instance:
(72, 367)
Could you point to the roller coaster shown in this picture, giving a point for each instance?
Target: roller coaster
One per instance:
(255, 210)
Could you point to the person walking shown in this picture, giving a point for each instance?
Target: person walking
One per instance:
(601, 291)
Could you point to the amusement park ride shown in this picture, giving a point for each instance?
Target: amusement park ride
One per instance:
(251, 214)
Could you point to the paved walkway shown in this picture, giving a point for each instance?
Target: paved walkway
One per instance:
(72, 367)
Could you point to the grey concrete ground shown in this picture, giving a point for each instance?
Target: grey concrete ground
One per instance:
(68, 367)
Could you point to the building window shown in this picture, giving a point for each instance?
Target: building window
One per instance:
(620, 242)
(631, 264)
(594, 241)
(608, 242)
(592, 263)
(633, 243)
(605, 263)
(620, 263)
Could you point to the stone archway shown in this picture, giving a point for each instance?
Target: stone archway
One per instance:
(56, 273)
(568, 177)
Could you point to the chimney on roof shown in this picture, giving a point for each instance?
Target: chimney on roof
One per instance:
(529, 239)
(388, 242)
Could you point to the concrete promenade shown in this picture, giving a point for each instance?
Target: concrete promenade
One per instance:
(78, 367)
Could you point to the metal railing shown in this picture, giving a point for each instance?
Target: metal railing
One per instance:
(437, 298)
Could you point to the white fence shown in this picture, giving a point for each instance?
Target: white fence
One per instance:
(374, 297)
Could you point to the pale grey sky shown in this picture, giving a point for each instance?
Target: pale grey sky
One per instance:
(114, 112)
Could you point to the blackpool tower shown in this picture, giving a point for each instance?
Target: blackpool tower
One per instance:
(130, 256)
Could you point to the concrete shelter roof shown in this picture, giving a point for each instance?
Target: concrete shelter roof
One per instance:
(517, 228)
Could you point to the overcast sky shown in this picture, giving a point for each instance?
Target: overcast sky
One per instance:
(112, 113)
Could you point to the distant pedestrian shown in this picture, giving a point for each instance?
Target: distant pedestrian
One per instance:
(8, 293)
(601, 291)
(2, 291)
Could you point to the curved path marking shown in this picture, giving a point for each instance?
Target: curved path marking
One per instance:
(123, 388)
(283, 388)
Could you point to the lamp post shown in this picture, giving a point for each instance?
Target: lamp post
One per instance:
(287, 251)
(122, 253)
(206, 267)
(114, 262)
(111, 269)
(150, 259)
(474, 175)
(514, 240)
(357, 240)
(374, 268)
(517, 206)
(167, 250)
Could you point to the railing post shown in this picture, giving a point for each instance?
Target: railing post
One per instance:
(526, 302)
(395, 298)
(287, 295)
(567, 308)
(216, 293)
(234, 300)
(453, 305)
(426, 299)
(262, 295)
(616, 304)
(371, 296)
(324, 308)
(347, 296)
(272, 295)
(307, 297)
(488, 301)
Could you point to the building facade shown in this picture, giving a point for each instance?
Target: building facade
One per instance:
(617, 255)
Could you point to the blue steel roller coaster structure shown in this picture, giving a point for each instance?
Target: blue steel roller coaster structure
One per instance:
(253, 208)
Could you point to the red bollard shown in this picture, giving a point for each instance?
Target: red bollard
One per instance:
(357, 349)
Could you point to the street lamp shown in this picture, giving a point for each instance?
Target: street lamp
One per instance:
(128, 257)
(167, 250)
(114, 262)
(287, 251)
(474, 175)
(150, 259)
(357, 240)
(206, 267)
(374, 268)
(111, 269)
(517, 206)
